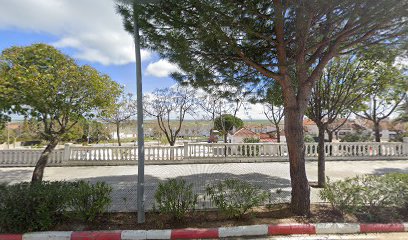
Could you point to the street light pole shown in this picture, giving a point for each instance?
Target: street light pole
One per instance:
(140, 134)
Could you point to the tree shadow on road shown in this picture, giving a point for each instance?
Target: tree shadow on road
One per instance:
(125, 188)
(382, 171)
(15, 175)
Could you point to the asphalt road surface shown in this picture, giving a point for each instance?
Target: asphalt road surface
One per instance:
(272, 176)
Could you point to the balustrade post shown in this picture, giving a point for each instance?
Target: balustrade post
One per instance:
(67, 152)
(405, 145)
(185, 155)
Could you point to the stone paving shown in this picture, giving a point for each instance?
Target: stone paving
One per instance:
(273, 177)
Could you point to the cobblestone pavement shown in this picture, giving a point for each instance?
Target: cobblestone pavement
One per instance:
(269, 176)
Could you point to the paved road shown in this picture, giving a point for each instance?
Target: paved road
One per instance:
(270, 176)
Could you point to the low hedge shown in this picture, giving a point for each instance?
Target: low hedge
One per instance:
(26, 207)
(373, 196)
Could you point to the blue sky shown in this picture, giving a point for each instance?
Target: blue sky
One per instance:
(91, 32)
(73, 35)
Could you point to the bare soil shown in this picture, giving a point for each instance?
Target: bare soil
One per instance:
(275, 214)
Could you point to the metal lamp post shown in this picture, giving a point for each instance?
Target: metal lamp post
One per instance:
(139, 98)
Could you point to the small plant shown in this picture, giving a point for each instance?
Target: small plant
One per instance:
(26, 207)
(342, 195)
(175, 197)
(235, 197)
(89, 201)
(32, 206)
(370, 195)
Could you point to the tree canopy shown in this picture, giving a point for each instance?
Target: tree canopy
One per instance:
(250, 44)
(164, 104)
(122, 110)
(49, 86)
(226, 123)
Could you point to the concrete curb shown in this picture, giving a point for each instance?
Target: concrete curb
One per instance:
(203, 233)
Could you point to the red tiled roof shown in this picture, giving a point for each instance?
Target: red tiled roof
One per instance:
(268, 140)
(308, 122)
(243, 132)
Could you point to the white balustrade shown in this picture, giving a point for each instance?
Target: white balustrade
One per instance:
(202, 152)
(26, 158)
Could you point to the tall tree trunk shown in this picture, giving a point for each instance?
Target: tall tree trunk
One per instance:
(377, 131)
(329, 135)
(300, 201)
(38, 172)
(321, 178)
(377, 135)
(225, 138)
(277, 133)
(118, 133)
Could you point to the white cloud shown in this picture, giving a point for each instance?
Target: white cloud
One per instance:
(90, 27)
(161, 68)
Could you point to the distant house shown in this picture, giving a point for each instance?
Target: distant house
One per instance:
(241, 134)
(310, 127)
(388, 131)
(267, 137)
(347, 127)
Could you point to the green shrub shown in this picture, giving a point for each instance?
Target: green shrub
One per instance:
(356, 137)
(175, 197)
(342, 195)
(308, 138)
(369, 195)
(32, 207)
(89, 201)
(26, 207)
(235, 197)
(399, 186)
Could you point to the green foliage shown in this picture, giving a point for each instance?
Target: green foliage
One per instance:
(50, 87)
(26, 207)
(227, 122)
(368, 195)
(308, 138)
(175, 197)
(356, 137)
(89, 201)
(236, 197)
(251, 140)
(342, 195)
(39, 206)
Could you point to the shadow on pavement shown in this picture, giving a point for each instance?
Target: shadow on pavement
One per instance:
(382, 171)
(125, 188)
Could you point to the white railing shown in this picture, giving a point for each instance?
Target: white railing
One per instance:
(23, 157)
(203, 153)
(123, 155)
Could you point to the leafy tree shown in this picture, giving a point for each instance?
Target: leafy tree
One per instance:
(95, 131)
(393, 87)
(53, 89)
(165, 104)
(218, 100)
(273, 107)
(341, 89)
(226, 123)
(123, 109)
(4, 101)
(256, 43)
(403, 112)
